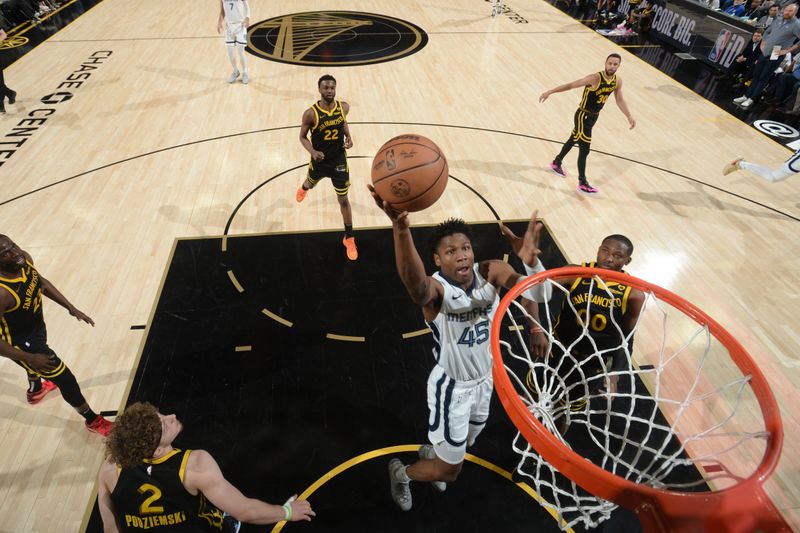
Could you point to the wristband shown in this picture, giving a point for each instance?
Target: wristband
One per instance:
(536, 329)
(287, 508)
(538, 267)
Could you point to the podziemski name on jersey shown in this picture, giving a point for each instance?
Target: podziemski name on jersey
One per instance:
(334, 38)
(469, 315)
(36, 118)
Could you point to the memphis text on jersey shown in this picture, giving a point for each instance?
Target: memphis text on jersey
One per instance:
(155, 520)
(470, 315)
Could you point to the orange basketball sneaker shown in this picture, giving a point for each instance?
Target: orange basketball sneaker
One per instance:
(100, 425)
(352, 251)
(38, 396)
(300, 195)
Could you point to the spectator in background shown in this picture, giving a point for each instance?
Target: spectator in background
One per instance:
(769, 16)
(751, 9)
(742, 69)
(786, 83)
(5, 92)
(736, 9)
(779, 39)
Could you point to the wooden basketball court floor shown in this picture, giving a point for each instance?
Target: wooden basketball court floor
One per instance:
(156, 146)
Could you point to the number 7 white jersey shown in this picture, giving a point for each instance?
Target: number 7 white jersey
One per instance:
(235, 11)
(461, 329)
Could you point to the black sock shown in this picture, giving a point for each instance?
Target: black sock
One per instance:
(88, 415)
(34, 386)
(348, 231)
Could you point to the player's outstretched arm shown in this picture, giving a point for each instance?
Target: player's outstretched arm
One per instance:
(423, 289)
(49, 290)
(590, 80)
(203, 474)
(221, 18)
(501, 274)
(623, 105)
(527, 249)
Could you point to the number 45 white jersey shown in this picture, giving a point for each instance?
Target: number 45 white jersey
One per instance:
(235, 11)
(461, 329)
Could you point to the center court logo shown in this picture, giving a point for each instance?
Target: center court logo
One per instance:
(334, 38)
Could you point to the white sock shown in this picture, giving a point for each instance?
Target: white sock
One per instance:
(231, 56)
(401, 475)
(242, 57)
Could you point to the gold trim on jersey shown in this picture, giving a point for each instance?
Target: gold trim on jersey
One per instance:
(22, 277)
(336, 105)
(14, 294)
(163, 457)
(5, 333)
(184, 462)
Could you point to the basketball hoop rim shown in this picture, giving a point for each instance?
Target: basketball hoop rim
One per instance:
(601, 482)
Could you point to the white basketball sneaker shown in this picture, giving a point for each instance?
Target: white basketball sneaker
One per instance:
(233, 76)
(401, 492)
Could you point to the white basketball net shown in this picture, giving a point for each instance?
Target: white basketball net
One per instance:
(683, 410)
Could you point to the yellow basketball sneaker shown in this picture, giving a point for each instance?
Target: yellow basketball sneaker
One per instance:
(350, 245)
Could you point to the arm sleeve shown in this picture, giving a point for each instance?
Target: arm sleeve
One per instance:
(541, 292)
(246, 9)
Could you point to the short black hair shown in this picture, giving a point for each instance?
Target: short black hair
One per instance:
(621, 239)
(451, 226)
(614, 55)
(326, 77)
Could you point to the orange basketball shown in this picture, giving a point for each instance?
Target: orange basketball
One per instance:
(409, 172)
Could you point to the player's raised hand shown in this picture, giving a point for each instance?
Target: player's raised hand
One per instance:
(538, 343)
(398, 218)
(80, 315)
(543, 96)
(526, 247)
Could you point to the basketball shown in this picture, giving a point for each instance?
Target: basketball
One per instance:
(410, 172)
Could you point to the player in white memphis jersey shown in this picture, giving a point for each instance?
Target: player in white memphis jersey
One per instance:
(790, 167)
(458, 303)
(236, 16)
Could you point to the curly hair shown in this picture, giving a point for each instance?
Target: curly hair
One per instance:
(451, 226)
(135, 435)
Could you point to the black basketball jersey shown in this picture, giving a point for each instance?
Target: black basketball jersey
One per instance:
(327, 135)
(593, 100)
(592, 301)
(26, 316)
(151, 497)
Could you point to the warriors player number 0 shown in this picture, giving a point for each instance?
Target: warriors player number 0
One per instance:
(597, 323)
